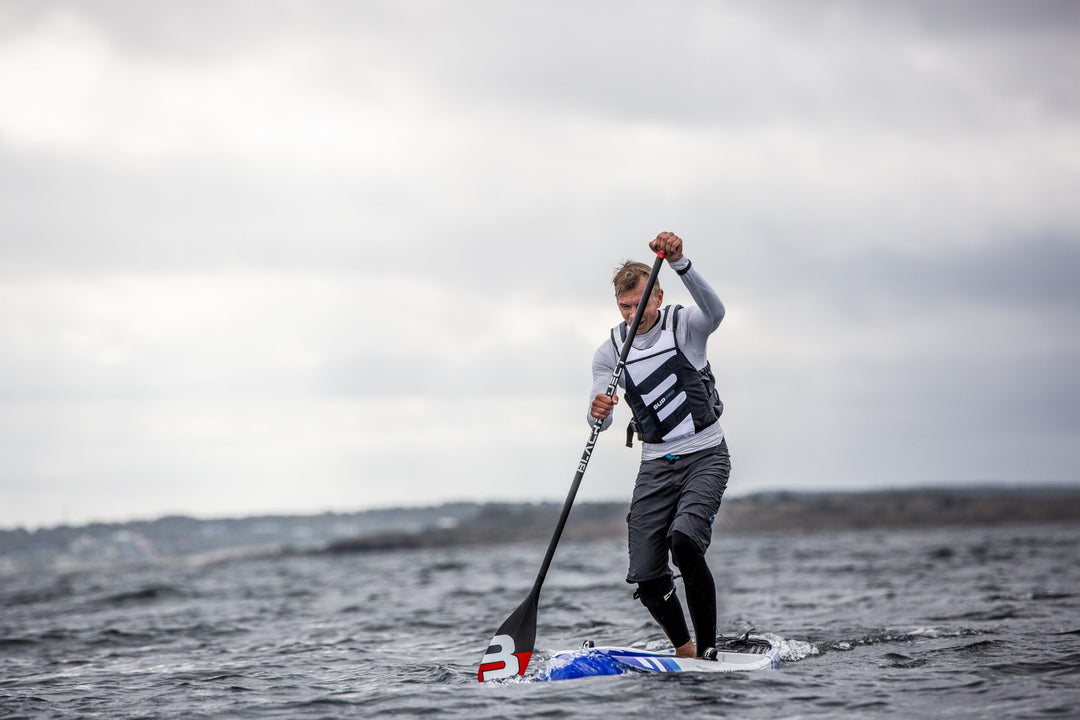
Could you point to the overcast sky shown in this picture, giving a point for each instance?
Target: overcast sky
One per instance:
(291, 257)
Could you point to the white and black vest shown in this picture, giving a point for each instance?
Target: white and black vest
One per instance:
(670, 398)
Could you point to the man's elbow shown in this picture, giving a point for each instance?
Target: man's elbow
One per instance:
(718, 317)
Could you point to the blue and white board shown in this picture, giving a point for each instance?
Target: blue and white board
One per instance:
(596, 661)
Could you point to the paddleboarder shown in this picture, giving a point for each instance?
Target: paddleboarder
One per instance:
(685, 465)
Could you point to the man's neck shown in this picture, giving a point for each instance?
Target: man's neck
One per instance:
(643, 328)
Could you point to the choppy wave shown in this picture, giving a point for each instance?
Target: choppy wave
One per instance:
(928, 624)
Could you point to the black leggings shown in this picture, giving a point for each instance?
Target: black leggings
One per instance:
(700, 589)
(659, 596)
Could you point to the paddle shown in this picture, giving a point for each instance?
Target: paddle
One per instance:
(511, 648)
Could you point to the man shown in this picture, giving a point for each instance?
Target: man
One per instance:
(684, 461)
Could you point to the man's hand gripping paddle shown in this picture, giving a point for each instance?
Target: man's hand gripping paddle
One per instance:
(512, 647)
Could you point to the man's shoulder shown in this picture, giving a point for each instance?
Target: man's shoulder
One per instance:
(677, 313)
(605, 350)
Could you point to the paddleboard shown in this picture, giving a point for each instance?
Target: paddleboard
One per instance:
(732, 655)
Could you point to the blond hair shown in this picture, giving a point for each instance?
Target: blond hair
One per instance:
(629, 275)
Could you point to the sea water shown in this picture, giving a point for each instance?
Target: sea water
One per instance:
(980, 622)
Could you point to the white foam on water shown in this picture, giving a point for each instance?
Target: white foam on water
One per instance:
(791, 650)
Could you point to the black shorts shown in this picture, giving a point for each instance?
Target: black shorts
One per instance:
(669, 495)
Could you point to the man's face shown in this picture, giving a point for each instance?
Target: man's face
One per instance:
(628, 302)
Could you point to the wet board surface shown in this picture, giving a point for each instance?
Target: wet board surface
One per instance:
(599, 661)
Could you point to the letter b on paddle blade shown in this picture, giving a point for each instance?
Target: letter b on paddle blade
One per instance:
(501, 661)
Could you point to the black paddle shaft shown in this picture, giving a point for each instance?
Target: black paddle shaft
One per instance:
(612, 387)
(512, 646)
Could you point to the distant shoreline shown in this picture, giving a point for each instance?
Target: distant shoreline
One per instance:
(761, 512)
(183, 539)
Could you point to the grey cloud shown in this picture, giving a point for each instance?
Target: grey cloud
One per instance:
(71, 213)
(734, 64)
(1027, 275)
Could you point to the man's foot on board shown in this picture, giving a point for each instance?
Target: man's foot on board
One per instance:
(686, 650)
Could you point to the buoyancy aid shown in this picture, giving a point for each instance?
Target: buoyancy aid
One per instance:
(669, 397)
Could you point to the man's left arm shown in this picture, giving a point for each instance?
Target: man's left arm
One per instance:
(711, 308)
(698, 322)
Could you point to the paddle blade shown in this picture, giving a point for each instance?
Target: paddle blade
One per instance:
(512, 647)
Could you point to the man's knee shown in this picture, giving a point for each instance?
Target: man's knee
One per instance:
(684, 551)
(654, 594)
